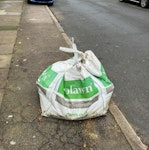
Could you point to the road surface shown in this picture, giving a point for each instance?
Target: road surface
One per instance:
(118, 33)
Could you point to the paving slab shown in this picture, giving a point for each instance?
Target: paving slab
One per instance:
(7, 37)
(9, 20)
(6, 48)
(5, 61)
(9, 6)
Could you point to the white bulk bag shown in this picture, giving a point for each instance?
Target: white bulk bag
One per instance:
(74, 89)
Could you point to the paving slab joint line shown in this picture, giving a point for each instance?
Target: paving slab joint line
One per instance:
(131, 136)
(1, 97)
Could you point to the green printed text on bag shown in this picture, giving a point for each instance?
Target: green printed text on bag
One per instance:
(78, 89)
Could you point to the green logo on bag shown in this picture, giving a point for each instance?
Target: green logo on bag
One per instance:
(78, 89)
(47, 77)
(103, 78)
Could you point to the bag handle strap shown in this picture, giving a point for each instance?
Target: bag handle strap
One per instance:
(69, 50)
(72, 50)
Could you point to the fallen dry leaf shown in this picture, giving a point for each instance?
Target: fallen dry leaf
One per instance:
(39, 119)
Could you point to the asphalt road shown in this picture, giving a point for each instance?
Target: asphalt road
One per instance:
(118, 33)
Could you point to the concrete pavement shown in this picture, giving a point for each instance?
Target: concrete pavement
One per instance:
(10, 14)
(29, 42)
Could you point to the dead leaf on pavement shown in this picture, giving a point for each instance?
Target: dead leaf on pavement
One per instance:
(40, 119)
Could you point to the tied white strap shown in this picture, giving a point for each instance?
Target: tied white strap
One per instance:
(73, 50)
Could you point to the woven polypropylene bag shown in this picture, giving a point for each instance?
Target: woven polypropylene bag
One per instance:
(74, 89)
